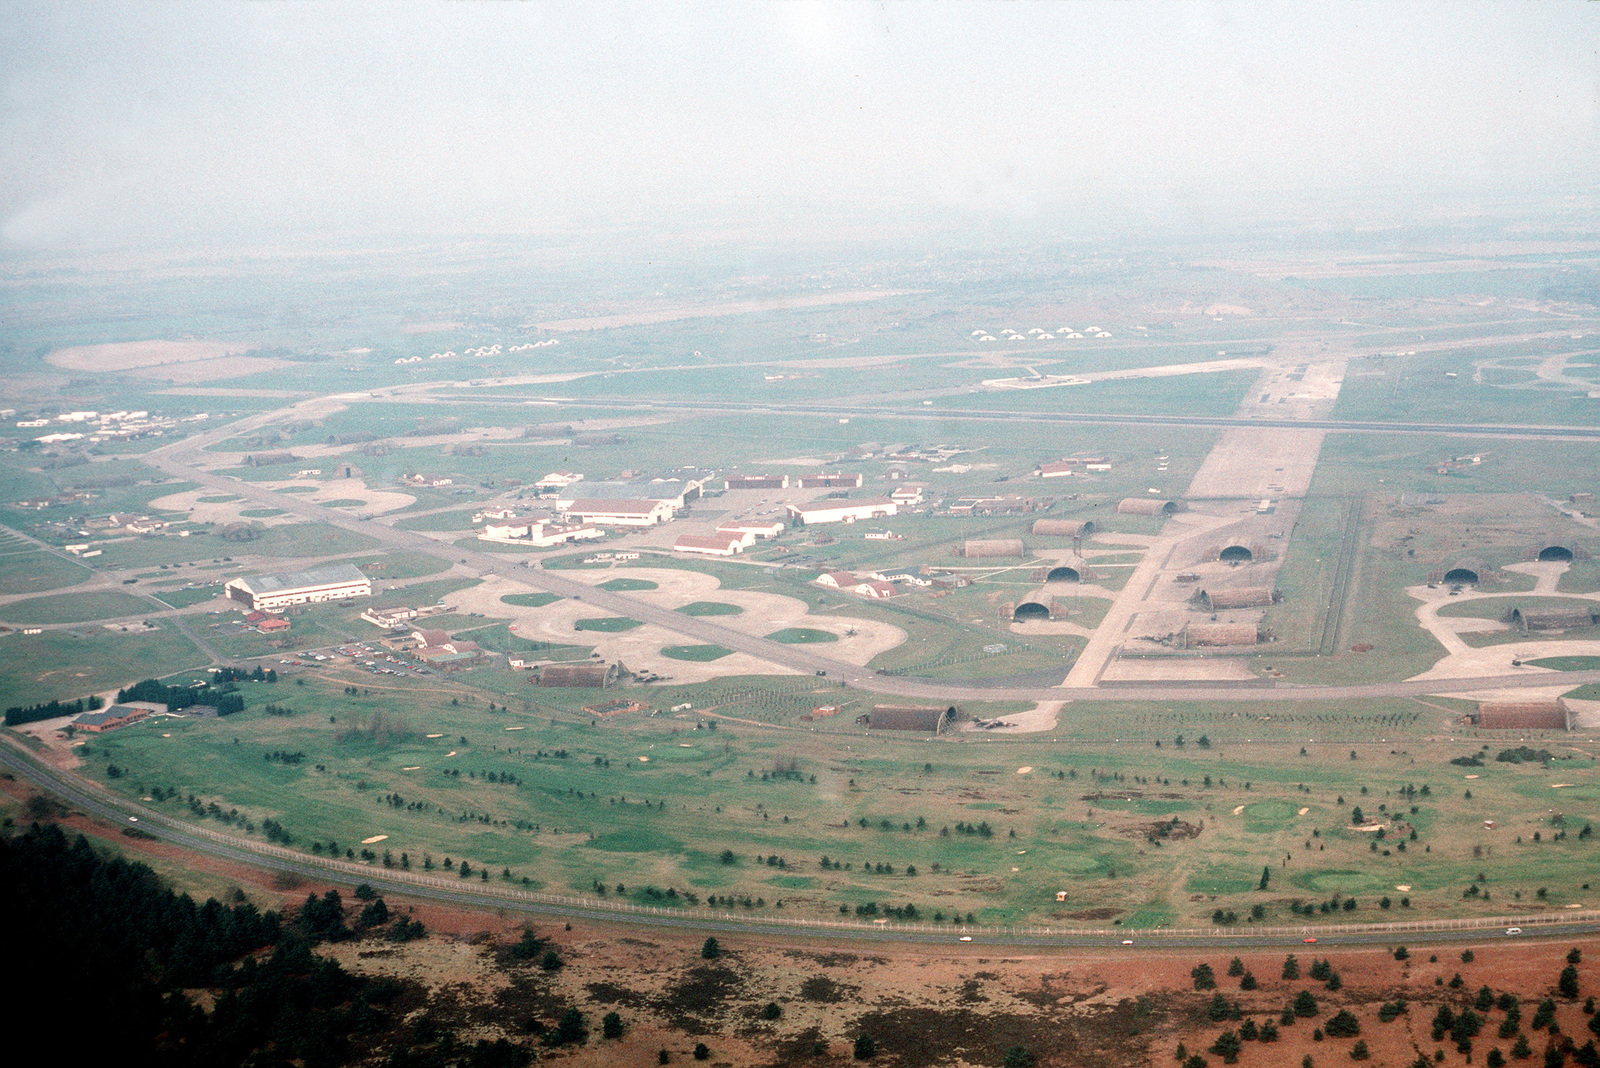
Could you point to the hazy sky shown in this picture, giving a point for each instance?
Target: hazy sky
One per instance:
(127, 123)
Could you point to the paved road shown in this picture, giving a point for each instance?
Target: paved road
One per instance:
(177, 460)
(948, 415)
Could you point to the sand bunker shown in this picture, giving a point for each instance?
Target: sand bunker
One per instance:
(374, 839)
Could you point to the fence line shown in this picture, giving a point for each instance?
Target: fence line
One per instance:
(1251, 933)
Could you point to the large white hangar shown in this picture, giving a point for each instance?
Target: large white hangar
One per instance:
(273, 592)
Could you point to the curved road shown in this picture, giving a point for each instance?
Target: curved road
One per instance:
(89, 798)
(175, 460)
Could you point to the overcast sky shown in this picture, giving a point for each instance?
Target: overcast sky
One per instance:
(136, 124)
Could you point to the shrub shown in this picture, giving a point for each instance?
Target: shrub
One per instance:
(1343, 1025)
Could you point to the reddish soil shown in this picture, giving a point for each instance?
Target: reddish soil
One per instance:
(924, 1005)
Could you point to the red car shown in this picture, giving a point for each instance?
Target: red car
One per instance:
(1308, 941)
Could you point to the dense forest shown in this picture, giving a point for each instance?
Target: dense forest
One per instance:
(102, 951)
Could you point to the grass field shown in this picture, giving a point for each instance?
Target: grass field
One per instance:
(73, 607)
(25, 569)
(66, 665)
(711, 608)
(991, 824)
(529, 600)
(607, 624)
(697, 653)
(802, 636)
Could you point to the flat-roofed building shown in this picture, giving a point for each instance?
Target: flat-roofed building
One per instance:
(819, 512)
(837, 480)
(614, 512)
(758, 482)
(276, 591)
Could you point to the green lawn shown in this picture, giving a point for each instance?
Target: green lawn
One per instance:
(76, 607)
(699, 653)
(529, 600)
(66, 665)
(628, 585)
(802, 636)
(607, 624)
(711, 608)
(34, 571)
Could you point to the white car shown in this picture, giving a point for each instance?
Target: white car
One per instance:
(1513, 931)
(965, 938)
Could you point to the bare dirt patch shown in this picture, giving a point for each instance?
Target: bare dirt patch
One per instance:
(128, 355)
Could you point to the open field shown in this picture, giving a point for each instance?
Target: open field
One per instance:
(1130, 829)
(1081, 809)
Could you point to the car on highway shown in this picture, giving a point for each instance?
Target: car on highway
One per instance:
(1513, 931)
(964, 938)
(1309, 941)
(1127, 941)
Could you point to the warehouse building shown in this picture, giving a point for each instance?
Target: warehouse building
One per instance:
(1064, 528)
(1535, 714)
(818, 512)
(758, 482)
(1553, 618)
(275, 592)
(616, 512)
(1146, 506)
(995, 547)
(596, 675)
(909, 718)
(837, 480)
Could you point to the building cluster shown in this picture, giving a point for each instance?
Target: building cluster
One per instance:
(95, 427)
(1073, 465)
(1039, 333)
(482, 351)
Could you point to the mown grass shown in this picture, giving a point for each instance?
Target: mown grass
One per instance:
(607, 624)
(698, 653)
(76, 607)
(710, 608)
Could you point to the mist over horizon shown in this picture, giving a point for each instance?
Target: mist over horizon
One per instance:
(145, 127)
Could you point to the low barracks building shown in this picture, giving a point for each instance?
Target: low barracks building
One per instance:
(275, 592)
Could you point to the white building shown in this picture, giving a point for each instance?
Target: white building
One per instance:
(538, 533)
(754, 530)
(389, 618)
(907, 495)
(715, 545)
(617, 513)
(558, 480)
(817, 512)
(275, 592)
